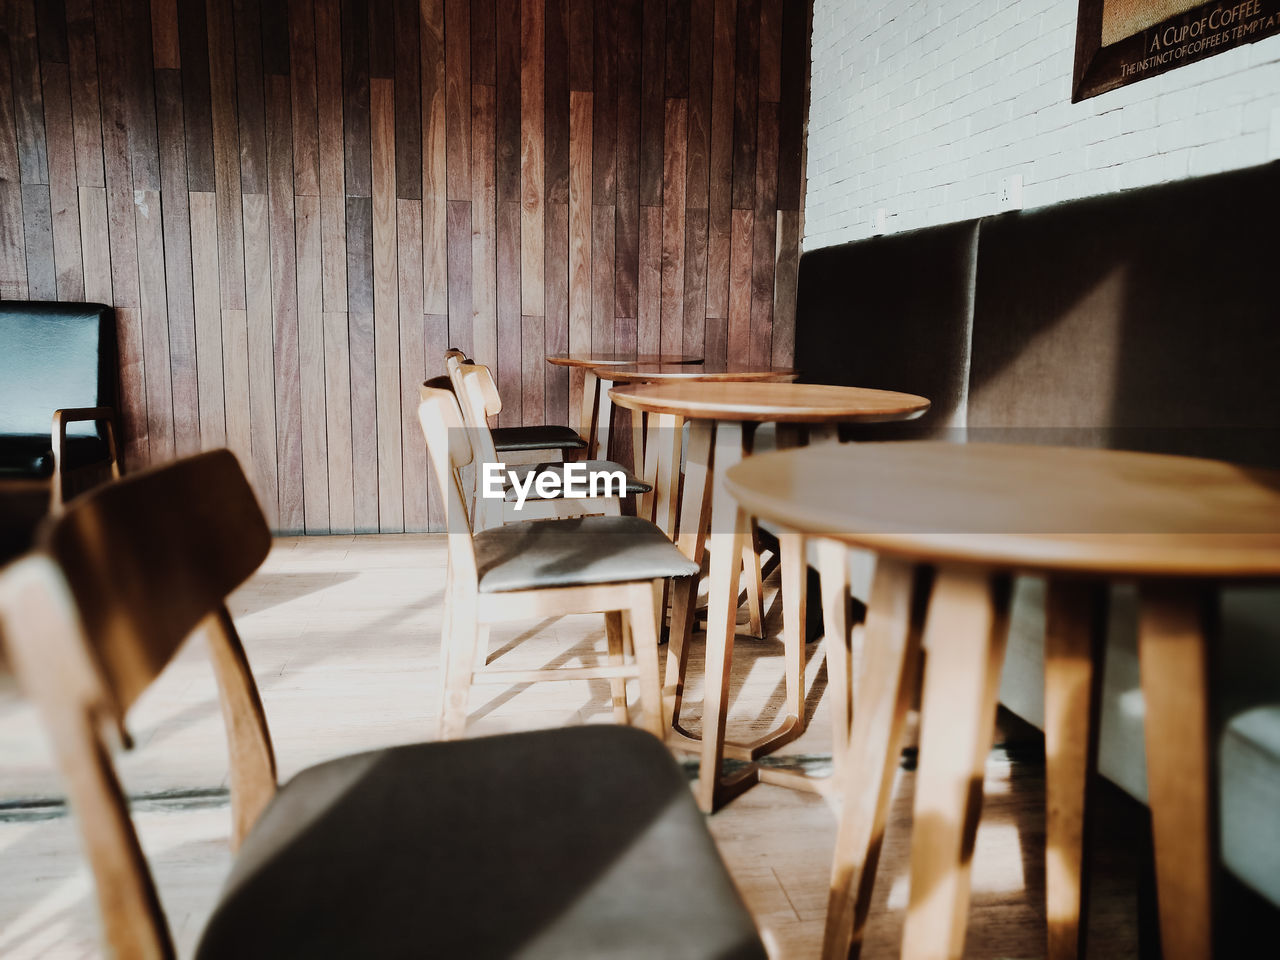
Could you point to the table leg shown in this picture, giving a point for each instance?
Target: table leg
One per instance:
(692, 543)
(1174, 630)
(590, 410)
(1074, 643)
(726, 539)
(667, 482)
(637, 441)
(795, 582)
(886, 693)
(833, 571)
(965, 634)
(604, 421)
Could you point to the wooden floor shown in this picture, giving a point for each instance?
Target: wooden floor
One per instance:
(343, 636)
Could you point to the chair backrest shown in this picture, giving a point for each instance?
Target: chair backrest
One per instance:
(449, 450)
(89, 620)
(477, 396)
(54, 356)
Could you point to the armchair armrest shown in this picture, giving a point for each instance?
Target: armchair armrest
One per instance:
(104, 415)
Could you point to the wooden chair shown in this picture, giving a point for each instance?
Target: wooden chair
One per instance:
(612, 565)
(478, 399)
(524, 444)
(402, 852)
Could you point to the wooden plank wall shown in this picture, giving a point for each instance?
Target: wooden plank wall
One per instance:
(295, 206)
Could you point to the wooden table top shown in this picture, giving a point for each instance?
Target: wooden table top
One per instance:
(659, 372)
(770, 402)
(619, 359)
(1026, 507)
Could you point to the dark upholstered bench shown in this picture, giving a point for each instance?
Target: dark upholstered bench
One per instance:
(58, 368)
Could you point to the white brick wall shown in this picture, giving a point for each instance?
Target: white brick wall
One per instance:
(920, 107)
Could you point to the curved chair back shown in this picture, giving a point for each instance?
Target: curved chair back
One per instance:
(90, 619)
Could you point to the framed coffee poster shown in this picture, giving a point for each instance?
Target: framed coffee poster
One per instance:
(1122, 41)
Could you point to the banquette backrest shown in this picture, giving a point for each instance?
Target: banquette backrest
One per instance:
(1146, 319)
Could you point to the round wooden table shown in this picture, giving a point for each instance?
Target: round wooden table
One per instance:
(593, 425)
(956, 521)
(723, 417)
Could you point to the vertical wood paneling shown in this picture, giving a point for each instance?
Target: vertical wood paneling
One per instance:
(484, 320)
(226, 155)
(459, 237)
(435, 246)
(580, 250)
(673, 212)
(602, 312)
(408, 92)
(180, 299)
(311, 382)
(304, 115)
(386, 308)
(738, 337)
(296, 205)
(208, 318)
(649, 321)
(457, 65)
(746, 95)
(362, 352)
(95, 245)
(508, 369)
(260, 340)
(28, 102)
(155, 323)
(764, 255)
(556, 332)
(37, 231)
(284, 303)
(413, 363)
(197, 97)
(531, 169)
(333, 213)
(64, 201)
(338, 446)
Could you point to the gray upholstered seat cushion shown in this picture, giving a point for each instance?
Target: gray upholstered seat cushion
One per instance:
(547, 436)
(575, 551)
(581, 842)
(632, 483)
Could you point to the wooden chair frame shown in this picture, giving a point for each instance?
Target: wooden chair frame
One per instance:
(58, 436)
(477, 396)
(630, 608)
(123, 577)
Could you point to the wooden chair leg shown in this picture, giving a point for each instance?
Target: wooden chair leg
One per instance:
(617, 685)
(833, 570)
(965, 634)
(463, 637)
(791, 547)
(1074, 642)
(885, 695)
(446, 643)
(644, 633)
(1175, 629)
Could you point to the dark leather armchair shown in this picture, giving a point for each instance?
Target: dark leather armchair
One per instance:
(57, 394)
